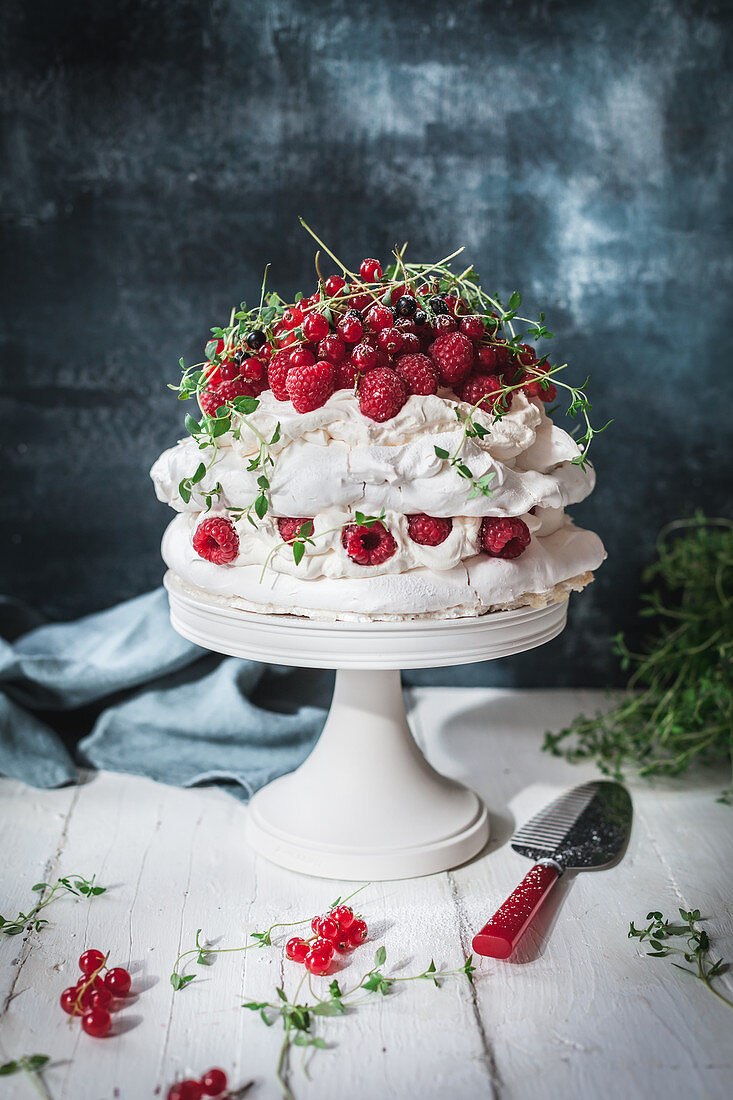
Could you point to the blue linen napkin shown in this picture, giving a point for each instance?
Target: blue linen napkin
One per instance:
(148, 702)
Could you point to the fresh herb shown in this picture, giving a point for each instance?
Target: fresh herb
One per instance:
(71, 884)
(205, 954)
(679, 705)
(299, 1019)
(696, 949)
(32, 1065)
(304, 536)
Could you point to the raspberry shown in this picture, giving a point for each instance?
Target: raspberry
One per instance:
(545, 393)
(315, 327)
(483, 388)
(453, 354)
(380, 317)
(364, 357)
(345, 375)
(332, 349)
(428, 530)
(370, 270)
(211, 400)
(216, 540)
(419, 372)
(289, 526)
(493, 358)
(277, 372)
(368, 545)
(382, 393)
(311, 386)
(504, 538)
(472, 327)
(390, 340)
(334, 284)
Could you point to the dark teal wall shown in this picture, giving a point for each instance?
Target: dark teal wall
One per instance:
(157, 154)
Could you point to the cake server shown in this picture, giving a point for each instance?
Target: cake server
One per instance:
(587, 827)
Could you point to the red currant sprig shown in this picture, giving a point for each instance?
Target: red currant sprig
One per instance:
(339, 930)
(93, 995)
(211, 1083)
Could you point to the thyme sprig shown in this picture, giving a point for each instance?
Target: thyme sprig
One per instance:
(299, 1019)
(32, 1065)
(678, 708)
(70, 884)
(305, 537)
(696, 950)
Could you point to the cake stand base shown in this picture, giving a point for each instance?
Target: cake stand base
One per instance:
(365, 804)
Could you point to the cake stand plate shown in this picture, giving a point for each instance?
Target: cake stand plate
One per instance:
(365, 804)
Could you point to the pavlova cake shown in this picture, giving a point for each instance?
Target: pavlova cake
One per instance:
(379, 449)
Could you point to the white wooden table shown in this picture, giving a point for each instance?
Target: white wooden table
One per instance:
(580, 1012)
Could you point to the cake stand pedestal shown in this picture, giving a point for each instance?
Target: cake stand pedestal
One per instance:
(365, 804)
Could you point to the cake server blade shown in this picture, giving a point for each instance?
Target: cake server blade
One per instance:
(587, 827)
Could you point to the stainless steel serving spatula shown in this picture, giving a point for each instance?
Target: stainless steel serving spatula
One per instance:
(586, 828)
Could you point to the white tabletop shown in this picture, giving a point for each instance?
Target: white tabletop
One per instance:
(580, 1012)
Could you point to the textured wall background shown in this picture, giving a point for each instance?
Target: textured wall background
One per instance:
(157, 154)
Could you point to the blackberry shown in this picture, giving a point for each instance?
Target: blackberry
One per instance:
(255, 339)
(406, 306)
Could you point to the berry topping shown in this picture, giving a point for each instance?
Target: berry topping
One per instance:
(296, 949)
(428, 530)
(418, 372)
(255, 339)
(472, 327)
(214, 1082)
(334, 284)
(301, 357)
(211, 400)
(390, 340)
(445, 323)
(311, 386)
(421, 317)
(545, 391)
(350, 328)
(315, 327)
(406, 306)
(453, 355)
(382, 393)
(410, 342)
(495, 356)
(97, 1022)
(364, 357)
(380, 317)
(332, 348)
(527, 355)
(438, 306)
(289, 526)
(483, 390)
(345, 375)
(277, 372)
(368, 545)
(504, 538)
(292, 318)
(117, 980)
(216, 540)
(370, 270)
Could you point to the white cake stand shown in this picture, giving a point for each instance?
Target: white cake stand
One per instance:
(365, 804)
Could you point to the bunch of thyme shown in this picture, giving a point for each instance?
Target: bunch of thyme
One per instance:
(696, 949)
(678, 708)
(69, 884)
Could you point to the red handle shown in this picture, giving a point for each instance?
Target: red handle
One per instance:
(502, 933)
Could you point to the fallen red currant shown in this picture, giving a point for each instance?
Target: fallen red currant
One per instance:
(317, 962)
(357, 932)
(100, 998)
(68, 1001)
(296, 949)
(90, 961)
(327, 928)
(97, 1022)
(344, 916)
(186, 1090)
(324, 947)
(213, 1082)
(118, 981)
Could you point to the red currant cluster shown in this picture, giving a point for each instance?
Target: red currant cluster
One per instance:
(387, 339)
(93, 996)
(339, 930)
(212, 1083)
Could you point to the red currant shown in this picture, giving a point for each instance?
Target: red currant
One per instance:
(370, 270)
(68, 1000)
(317, 962)
(186, 1090)
(228, 372)
(380, 317)
(301, 357)
(324, 947)
(214, 1082)
(100, 998)
(364, 357)
(253, 369)
(445, 323)
(334, 284)
(219, 346)
(390, 340)
(296, 949)
(359, 301)
(332, 349)
(527, 355)
(344, 916)
(357, 932)
(410, 342)
(265, 353)
(292, 317)
(456, 305)
(97, 1022)
(90, 961)
(315, 327)
(472, 327)
(351, 329)
(328, 929)
(118, 981)
(343, 944)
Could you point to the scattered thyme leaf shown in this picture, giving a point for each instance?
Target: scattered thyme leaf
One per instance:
(660, 933)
